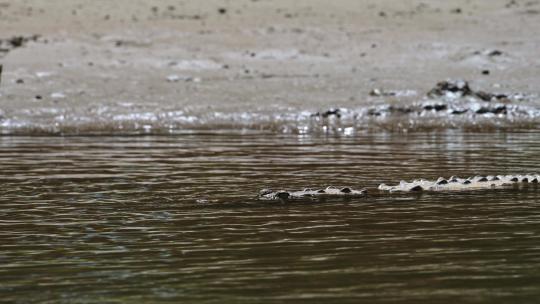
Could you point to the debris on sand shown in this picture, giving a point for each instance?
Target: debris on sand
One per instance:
(461, 88)
(14, 42)
(381, 92)
(495, 53)
(330, 112)
(447, 99)
(385, 110)
(444, 88)
(396, 93)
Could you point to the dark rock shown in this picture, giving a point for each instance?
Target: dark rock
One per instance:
(332, 112)
(500, 110)
(483, 111)
(459, 112)
(485, 72)
(222, 11)
(401, 110)
(495, 53)
(497, 110)
(484, 96)
(444, 87)
(436, 107)
(373, 112)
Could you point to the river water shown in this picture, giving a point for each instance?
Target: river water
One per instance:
(145, 219)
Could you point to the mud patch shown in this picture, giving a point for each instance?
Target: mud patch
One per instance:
(9, 44)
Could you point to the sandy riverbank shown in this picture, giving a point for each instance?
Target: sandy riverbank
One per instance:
(94, 59)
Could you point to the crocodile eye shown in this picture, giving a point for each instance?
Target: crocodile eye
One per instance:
(345, 190)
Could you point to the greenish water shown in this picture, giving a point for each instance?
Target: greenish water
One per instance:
(175, 219)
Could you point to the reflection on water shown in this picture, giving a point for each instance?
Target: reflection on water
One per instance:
(142, 219)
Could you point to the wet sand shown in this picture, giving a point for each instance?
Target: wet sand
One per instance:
(92, 59)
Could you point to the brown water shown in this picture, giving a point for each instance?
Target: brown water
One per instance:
(175, 218)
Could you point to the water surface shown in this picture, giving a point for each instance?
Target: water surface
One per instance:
(175, 218)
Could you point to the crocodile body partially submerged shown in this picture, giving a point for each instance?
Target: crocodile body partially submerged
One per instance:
(267, 194)
(440, 185)
(460, 184)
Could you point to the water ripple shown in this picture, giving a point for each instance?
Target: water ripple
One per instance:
(175, 218)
